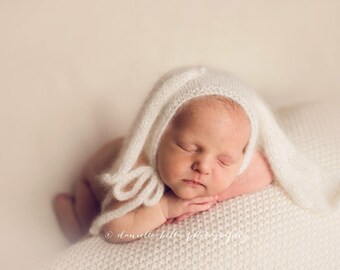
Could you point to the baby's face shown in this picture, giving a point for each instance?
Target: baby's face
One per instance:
(204, 144)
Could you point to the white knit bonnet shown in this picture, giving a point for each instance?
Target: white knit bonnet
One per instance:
(302, 180)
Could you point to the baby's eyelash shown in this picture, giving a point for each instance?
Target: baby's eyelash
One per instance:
(185, 149)
(223, 164)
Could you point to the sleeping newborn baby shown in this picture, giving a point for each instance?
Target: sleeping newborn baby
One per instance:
(199, 157)
(201, 137)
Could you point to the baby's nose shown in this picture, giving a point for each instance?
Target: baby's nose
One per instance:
(202, 166)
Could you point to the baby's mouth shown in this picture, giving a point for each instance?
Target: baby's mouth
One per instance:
(193, 182)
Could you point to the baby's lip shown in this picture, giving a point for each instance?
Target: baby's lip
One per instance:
(194, 181)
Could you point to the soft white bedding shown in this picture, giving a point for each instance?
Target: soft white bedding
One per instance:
(264, 230)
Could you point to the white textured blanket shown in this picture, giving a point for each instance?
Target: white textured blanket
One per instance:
(264, 230)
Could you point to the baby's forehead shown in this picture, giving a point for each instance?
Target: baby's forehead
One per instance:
(210, 108)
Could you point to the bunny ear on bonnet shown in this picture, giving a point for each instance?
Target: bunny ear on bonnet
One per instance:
(303, 180)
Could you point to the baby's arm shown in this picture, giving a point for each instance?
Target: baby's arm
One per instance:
(257, 176)
(145, 219)
(134, 224)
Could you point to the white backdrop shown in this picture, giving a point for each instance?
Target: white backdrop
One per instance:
(74, 73)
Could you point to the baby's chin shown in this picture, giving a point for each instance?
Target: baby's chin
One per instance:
(188, 195)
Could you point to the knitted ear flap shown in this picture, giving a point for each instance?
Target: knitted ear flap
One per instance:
(305, 184)
(131, 150)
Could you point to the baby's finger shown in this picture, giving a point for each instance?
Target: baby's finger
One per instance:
(194, 208)
(203, 199)
(169, 220)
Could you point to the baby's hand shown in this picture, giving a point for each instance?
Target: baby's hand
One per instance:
(176, 209)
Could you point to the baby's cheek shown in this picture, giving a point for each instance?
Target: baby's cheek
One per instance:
(167, 165)
(224, 180)
(174, 164)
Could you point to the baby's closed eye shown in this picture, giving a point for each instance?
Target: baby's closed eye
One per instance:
(223, 163)
(187, 148)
